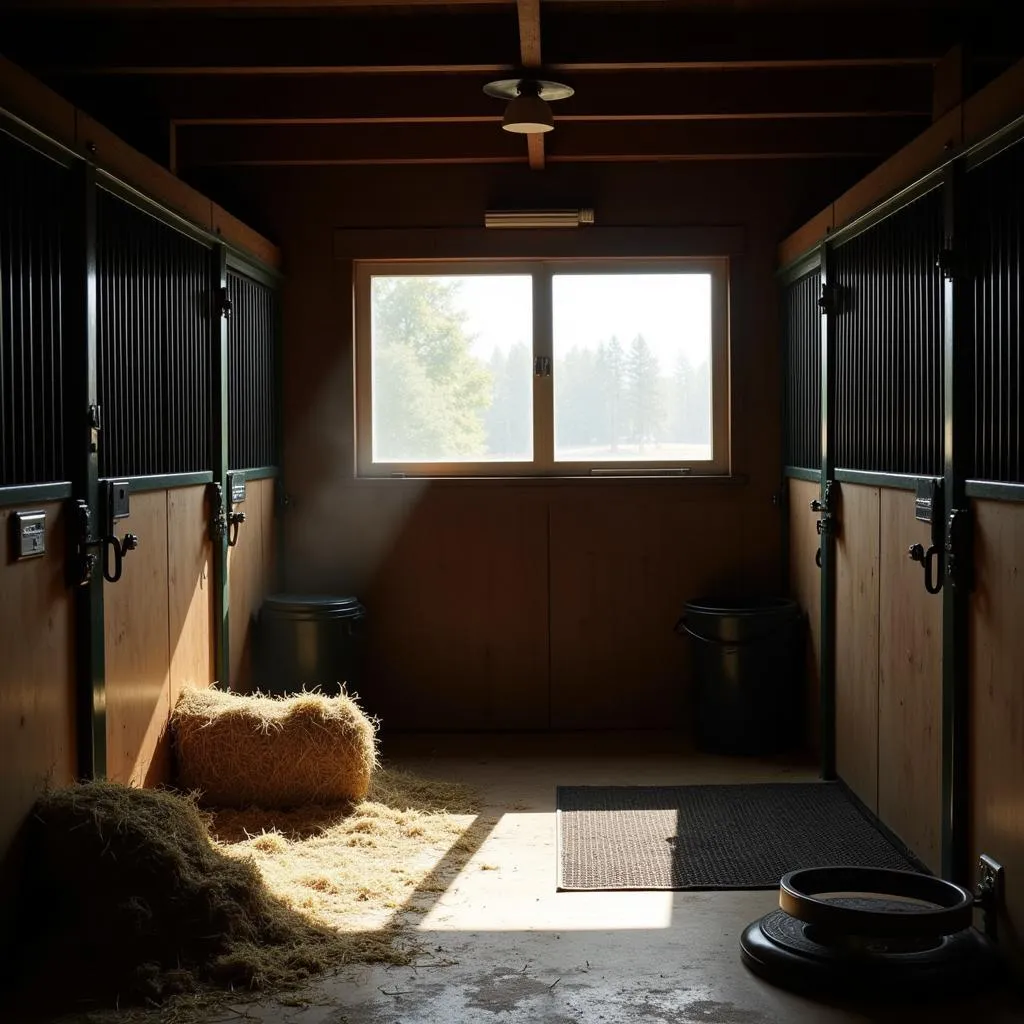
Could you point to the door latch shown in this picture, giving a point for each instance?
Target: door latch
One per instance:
(823, 506)
(114, 549)
(929, 506)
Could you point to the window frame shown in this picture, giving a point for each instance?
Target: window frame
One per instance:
(543, 463)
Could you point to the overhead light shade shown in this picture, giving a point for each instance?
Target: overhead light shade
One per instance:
(528, 114)
(537, 218)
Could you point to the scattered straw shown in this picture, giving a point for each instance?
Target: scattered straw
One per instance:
(275, 899)
(240, 751)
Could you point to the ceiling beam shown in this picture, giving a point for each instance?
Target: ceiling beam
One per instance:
(529, 56)
(223, 6)
(529, 32)
(382, 144)
(673, 95)
(473, 37)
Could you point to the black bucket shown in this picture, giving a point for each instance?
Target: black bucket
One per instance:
(309, 641)
(747, 674)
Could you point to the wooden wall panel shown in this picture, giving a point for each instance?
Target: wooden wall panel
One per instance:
(250, 574)
(997, 703)
(622, 567)
(137, 650)
(805, 588)
(37, 690)
(190, 592)
(458, 613)
(909, 685)
(857, 641)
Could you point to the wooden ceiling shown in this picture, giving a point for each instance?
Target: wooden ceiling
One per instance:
(203, 83)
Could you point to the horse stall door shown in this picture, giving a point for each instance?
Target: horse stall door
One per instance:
(909, 685)
(856, 650)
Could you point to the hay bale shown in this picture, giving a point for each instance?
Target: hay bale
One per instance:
(127, 900)
(245, 751)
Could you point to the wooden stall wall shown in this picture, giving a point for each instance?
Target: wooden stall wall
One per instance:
(909, 684)
(158, 630)
(595, 572)
(997, 703)
(37, 689)
(856, 653)
(251, 575)
(805, 589)
(889, 667)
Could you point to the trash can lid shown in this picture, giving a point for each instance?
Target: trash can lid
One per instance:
(755, 606)
(327, 605)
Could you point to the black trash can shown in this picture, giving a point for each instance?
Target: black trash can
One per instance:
(747, 672)
(307, 641)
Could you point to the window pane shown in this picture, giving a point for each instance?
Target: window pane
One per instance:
(632, 367)
(452, 368)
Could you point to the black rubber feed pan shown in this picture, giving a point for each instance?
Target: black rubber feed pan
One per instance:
(870, 933)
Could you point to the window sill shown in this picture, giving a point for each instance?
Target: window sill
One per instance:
(625, 479)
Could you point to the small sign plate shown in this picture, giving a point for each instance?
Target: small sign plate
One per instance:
(236, 487)
(29, 534)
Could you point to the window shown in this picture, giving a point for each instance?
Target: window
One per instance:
(558, 368)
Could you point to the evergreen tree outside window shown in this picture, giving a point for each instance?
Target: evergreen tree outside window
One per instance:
(457, 375)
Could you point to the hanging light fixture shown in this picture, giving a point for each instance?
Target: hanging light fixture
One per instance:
(527, 112)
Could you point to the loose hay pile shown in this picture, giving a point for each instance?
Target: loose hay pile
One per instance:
(128, 901)
(243, 751)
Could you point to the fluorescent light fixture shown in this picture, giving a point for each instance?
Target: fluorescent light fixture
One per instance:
(538, 218)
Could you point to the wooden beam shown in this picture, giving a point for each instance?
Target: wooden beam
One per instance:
(535, 152)
(574, 38)
(220, 6)
(682, 95)
(529, 55)
(529, 32)
(948, 88)
(624, 141)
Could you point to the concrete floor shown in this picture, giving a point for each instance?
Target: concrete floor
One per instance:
(505, 947)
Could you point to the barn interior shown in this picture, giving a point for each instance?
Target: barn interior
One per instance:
(205, 206)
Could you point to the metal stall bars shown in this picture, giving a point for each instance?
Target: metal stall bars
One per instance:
(49, 417)
(802, 315)
(34, 187)
(253, 376)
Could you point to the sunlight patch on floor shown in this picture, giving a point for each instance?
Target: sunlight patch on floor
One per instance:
(509, 885)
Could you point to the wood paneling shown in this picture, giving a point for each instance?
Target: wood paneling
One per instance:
(458, 612)
(137, 650)
(250, 575)
(997, 703)
(857, 641)
(806, 237)
(234, 232)
(931, 148)
(805, 588)
(622, 567)
(190, 590)
(37, 690)
(909, 685)
(994, 106)
(33, 102)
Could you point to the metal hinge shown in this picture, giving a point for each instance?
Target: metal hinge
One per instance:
(218, 517)
(827, 298)
(947, 263)
(959, 549)
(224, 303)
(94, 419)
